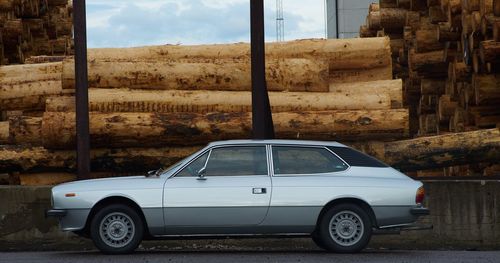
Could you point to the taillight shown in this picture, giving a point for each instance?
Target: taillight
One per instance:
(419, 198)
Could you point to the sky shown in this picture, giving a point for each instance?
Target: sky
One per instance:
(127, 23)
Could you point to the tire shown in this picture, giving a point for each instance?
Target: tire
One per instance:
(355, 233)
(116, 229)
(318, 241)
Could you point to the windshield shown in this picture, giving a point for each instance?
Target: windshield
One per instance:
(179, 163)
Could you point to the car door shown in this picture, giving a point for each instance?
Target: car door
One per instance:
(302, 179)
(234, 191)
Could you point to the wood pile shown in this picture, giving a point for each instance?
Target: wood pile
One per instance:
(448, 54)
(34, 27)
(151, 106)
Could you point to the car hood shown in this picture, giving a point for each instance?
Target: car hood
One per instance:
(115, 183)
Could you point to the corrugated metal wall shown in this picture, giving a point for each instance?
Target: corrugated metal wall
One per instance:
(350, 15)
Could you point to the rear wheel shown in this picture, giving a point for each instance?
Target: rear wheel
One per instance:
(117, 229)
(345, 228)
(318, 241)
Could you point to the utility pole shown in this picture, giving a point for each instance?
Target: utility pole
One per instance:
(262, 120)
(81, 93)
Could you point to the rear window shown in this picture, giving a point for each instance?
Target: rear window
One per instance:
(356, 158)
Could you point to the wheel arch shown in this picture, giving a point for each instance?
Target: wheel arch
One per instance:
(349, 200)
(110, 200)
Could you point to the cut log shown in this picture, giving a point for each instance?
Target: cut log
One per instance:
(486, 89)
(407, 155)
(353, 76)
(123, 100)
(392, 19)
(445, 34)
(4, 132)
(427, 40)
(155, 129)
(392, 87)
(446, 108)
(439, 151)
(340, 53)
(436, 15)
(432, 87)
(38, 159)
(429, 64)
(489, 51)
(28, 94)
(289, 74)
(25, 130)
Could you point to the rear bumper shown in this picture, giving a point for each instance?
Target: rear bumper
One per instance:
(420, 211)
(58, 213)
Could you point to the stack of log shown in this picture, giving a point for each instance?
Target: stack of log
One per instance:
(151, 106)
(447, 52)
(34, 27)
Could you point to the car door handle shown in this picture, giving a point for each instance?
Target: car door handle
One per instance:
(259, 191)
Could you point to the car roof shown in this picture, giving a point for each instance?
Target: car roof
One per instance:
(277, 142)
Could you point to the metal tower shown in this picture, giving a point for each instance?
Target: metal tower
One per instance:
(280, 22)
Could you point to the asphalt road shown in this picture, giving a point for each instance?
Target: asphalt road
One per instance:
(256, 256)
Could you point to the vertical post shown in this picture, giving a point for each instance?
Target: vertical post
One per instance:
(82, 96)
(262, 121)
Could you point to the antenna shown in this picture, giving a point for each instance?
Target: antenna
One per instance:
(280, 22)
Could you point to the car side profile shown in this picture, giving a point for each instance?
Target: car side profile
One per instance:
(325, 190)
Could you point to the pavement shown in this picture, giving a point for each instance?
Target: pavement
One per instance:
(316, 255)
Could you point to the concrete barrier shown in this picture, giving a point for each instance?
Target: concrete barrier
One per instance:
(465, 215)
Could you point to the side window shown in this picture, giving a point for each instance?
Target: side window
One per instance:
(305, 160)
(194, 167)
(234, 161)
(356, 158)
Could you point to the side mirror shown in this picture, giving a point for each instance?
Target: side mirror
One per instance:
(201, 173)
(151, 173)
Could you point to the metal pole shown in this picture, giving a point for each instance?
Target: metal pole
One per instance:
(262, 120)
(82, 96)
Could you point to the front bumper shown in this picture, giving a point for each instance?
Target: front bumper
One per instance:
(420, 211)
(58, 213)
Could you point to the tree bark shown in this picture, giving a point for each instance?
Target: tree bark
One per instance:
(408, 155)
(430, 64)
(132, 160)
(283, 74)
(124, 100)
(4, 132)
(489, 51)
(439, 151)
(338, 53)
(155, 129)
(392, 87)
(426, 40)
(486, 89)
(25, 130)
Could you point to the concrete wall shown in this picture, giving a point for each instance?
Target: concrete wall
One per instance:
(350, 14)
(465, 215)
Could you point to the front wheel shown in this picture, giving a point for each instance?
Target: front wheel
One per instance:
(117, 229)
(345, 228)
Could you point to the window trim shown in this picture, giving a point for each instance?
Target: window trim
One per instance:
(174, 175)
(307, 174)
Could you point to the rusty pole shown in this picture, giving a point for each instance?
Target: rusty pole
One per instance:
(262, 120)
(81, 93)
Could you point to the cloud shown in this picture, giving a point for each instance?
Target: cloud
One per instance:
(127, 23)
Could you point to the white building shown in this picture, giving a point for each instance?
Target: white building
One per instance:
(344, 17)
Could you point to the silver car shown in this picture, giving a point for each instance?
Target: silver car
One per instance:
(325, 190)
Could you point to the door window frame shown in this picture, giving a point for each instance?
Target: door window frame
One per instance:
(209, 150)
(305, 174)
